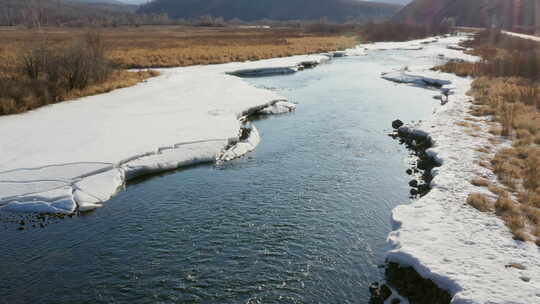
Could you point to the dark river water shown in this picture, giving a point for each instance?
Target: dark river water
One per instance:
(303, 219)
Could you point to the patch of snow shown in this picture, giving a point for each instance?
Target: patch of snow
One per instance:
(356, 51)
(430, 47)
(459, 248)
(456, 47)
(522, 36)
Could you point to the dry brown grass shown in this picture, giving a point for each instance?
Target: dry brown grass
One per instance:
(144, 47)
(485, 149)
(499, 191)
(480, 182)
(480, 201)
(118, 79)
(27, 97)
(169, 46)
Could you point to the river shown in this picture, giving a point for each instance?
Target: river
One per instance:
(303, 219)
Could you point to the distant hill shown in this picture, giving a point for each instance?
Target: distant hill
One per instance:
(116, 2)
(113, 5)
(252, 10)
(397, 2)
(55, 12)
(511, 14)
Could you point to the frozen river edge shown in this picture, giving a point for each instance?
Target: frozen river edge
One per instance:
(463, 251)
(80, 153)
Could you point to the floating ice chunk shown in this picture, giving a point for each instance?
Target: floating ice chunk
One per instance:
(338, 54)
(261, 72)
(403, 77)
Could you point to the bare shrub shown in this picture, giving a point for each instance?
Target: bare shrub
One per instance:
(49, 74)
(81, 63)
(34, 60)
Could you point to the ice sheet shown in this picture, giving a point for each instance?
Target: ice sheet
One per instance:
(88, 148)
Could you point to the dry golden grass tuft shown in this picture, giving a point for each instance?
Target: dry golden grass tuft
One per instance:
(485, 149)
(480, 182)
(480, 201)
(499, 191)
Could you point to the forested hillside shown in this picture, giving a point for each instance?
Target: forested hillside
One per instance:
(36, 13)
(510, 14)
(249, 10)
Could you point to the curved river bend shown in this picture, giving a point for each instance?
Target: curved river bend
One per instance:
(303, 219)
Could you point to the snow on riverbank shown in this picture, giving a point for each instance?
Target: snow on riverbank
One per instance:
(462, 250)
(522, 36)
(78, 154)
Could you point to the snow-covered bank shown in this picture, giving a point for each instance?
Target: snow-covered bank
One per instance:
(76, 155)
(522, 36)
(462, 250)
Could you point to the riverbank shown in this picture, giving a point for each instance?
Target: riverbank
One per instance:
(469, 254)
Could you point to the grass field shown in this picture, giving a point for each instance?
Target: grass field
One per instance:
(144, 47)
(169, 46)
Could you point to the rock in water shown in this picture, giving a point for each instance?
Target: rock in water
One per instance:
(379, 293)
(396, 124)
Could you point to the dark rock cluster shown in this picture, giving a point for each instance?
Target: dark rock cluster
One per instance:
(414, 287)
(417, 143)
(379, 293)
